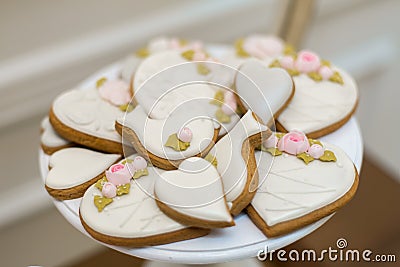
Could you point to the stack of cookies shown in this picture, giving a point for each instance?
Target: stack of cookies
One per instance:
(182, 138)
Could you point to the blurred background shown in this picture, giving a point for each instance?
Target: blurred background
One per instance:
(49, 46)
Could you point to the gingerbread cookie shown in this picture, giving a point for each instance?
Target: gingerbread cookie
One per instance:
(166, 143)
(87, 117)
(233, 156)
(119, 210)
(50, 141)
(193, 195)
(265, 91)
(73, 170)
(301, 181)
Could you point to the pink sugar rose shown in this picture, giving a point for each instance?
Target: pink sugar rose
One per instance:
(185, 134)
(307, 61)
(139, 163)
(287, 62)
(116, 92)
(294, 143)
(229, 107)
(272, 141)
(263, 46)
(325, 72)
(118, 174)
(316, 151)
(109, 190)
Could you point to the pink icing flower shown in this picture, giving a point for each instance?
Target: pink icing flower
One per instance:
(272, 141)
(316, 151)
(287, 62)
(199, 56)
(325, 72)
(118, 174)
(116, 92)
(229, 96)
(139, 163)
(294, 143)
(109, 190)
(263, 46)
(185, 134)
(307, 61)
(229, 107)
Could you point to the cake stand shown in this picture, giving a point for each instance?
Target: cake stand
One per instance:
(244, 240)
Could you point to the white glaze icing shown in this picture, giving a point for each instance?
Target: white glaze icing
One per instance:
(263, 90)
(153, 134)
(133, 215)
(86, 112)
(318, 105)
(50, 137)
(71, 167)
(129, 67)
(195, 190)
(228, 152)
(290, 189)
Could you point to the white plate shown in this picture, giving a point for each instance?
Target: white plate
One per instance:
(243, 240)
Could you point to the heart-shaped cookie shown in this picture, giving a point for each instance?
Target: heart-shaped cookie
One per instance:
(73, 170)
(128, 215)
(263, 90)
(193, 195)
(50, 141)
(297, 190)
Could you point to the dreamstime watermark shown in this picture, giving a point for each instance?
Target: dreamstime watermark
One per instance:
(338, 253)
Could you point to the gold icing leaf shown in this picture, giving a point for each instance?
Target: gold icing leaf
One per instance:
(218, 98)
(328, 156)
(99, 184)
(336, 78)
(188, 54)
(126, 107)
(100, 82)
(314, 141)
(123, 189)
(289, 50)
(212, 159)
(183, 42)
(176, 144)
(101, 202)
(325, 63)
(240, 52)
(127, 161)
(305, 157)
(202, 69)
(275, 64)
(140, 173)
(142, 52)
(222, 117)
(315, 76)
(279, 135)
(293, 72)
(272, 150)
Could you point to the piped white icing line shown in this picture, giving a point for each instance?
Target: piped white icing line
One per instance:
(86, 112)
(263, 90)
(195, 190)
(50, 137)
(290, 189)
(71, 167)
(153, 134)
(228, 152)
(317, 105)
(133, 215)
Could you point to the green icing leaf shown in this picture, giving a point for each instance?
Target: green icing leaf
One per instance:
(123, 189)
(101, 202)
(142, 52)
(275, 64)
(289, 50)
(202, 69)
(218, 98)
(100, 82)
(188, 54)
(314, 141)
(212, 159)
(183, 42)
(222, 117)
(305, 157)
(315, 76)
(176, 144)
(140, 173)
(279, 135)
(126, 107)
(336, 78)
(99, 184)
(272, 150)
(325, 63)
(240, 52)
(328, 156)
(127, 161)
(293, 72)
